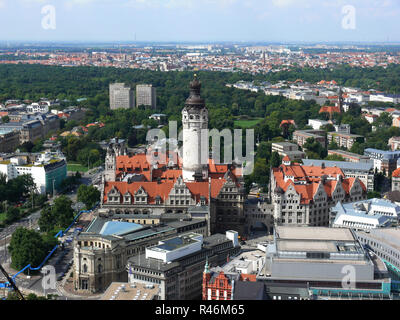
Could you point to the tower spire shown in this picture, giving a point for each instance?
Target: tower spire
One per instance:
(206, 266)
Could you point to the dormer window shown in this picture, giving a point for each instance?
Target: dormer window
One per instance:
(127, 198)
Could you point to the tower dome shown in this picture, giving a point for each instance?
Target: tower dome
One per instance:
(195, 99)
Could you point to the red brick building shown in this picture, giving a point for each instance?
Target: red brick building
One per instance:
(219, 286)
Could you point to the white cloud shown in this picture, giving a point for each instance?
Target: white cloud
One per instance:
(283, 3)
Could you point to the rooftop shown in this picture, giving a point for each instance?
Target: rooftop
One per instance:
(176, 243)
(125, 291)
(345, 165)
(119, 228)
(313, 233)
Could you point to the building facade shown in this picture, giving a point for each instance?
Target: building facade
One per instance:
(317, 256)
(301, 136)
(177, 264)
(47, 170)
(146, 96)
(303, 195)
(384, 161)
(349, 156)
(344, 140)
(361, 170)
(385, 243)
(365, 215)
(288, 149)
(102, 251)
(121, 96)
(9, 141)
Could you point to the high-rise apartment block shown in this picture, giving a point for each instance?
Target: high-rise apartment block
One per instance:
(146, 95)
(121, 96)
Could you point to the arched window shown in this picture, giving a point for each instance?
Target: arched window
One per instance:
(84, 268)
(99, 268)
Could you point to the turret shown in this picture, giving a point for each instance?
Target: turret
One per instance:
(110, 165)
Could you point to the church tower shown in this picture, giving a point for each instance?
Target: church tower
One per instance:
(110, 165)
(340, 100)
(195, 136)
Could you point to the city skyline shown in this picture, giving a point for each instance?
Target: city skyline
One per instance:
(200, 21)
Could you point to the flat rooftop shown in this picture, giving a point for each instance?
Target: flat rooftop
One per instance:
(391, 236)
(314, 233)
(138, 291)
(318, 246)
(175, 243)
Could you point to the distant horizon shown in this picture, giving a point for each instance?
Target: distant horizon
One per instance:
(211, 42)
(201, 21)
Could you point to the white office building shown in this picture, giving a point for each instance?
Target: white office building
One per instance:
(146, 96)
(121, 96)
(42, 107)
(365, 215)
(48, 171)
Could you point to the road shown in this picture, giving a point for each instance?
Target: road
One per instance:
(62, 257)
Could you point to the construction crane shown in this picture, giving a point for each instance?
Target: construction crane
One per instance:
(11, 281)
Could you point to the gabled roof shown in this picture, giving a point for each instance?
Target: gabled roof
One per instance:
(309, 178)
(329, 109)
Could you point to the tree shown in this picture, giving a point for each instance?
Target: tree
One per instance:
(12, 214)
(328, 127)
(28, 247)
(261, 173)
(26, 146)
(46, 220)
(334, 157)
(89, 195)
(5, 119)
(384, 120)
(374, 194)
(314, 149)
(333, 145)
(275, 160)
(358, 148)
(63, 212)
(60, 215)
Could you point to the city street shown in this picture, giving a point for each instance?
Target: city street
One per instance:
(62, 258)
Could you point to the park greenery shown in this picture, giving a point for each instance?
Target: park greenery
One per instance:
(228, 107)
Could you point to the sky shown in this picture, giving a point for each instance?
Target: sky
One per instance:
(201, 20)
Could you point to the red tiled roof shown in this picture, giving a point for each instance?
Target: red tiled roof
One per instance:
(290, 122)
(311, 178)
(329, 109)
(396, 173)
(154, 189)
